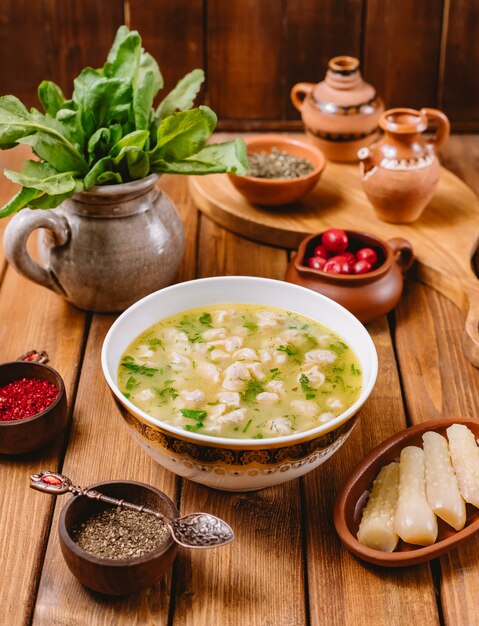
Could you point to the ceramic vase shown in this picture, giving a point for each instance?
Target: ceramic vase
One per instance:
(400, 172)
(102, 249)
(341, 113)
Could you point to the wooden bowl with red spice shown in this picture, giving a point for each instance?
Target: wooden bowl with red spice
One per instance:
(33, 406)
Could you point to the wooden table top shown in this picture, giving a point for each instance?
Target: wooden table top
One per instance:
(287, 566)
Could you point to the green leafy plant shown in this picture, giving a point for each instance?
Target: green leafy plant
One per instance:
(109, 132)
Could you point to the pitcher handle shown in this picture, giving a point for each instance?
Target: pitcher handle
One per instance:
(443, 127)
(15, 240)
(403, 253)
(299, 93)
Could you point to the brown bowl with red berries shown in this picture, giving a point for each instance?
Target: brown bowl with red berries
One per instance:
(357, 270)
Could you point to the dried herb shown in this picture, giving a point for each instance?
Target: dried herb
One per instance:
(277, 164)
(117, 533)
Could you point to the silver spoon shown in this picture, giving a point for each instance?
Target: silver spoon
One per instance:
(196, 530)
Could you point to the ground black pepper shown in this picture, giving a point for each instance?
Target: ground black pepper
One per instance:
(117, 533)
(277, 164)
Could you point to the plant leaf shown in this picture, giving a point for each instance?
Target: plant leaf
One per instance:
(15, 122)
(124, 57)
(109, 177)
(213, 159)
(147, 82)
(137, 138)
(51, 97)
(103, 165)
(42, 177)
(19, 201)
(138, 163)
(182, 134)
(99, 144)
(181, 98)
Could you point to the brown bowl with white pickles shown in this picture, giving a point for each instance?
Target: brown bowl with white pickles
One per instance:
(239, 382)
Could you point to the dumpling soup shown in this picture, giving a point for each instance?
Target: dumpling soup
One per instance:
(240, 371)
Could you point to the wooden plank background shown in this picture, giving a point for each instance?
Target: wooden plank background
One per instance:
(415, 53)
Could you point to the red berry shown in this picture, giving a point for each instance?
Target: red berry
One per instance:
(335, 241)
(367, 254)
(351, 259)
(321, 251)
(337, 265)
(316, 262)
(362, 267)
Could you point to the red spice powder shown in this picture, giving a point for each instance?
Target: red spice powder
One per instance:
(26, 397)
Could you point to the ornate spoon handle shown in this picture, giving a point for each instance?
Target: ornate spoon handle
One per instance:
(56, 484)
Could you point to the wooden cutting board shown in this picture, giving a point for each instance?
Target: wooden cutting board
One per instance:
(444, 239)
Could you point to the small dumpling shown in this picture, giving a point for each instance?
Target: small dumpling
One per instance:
(279, 426)
(335, 403)
(255, 369)
(267, 397)
(277, 386)
(179, 361)
(315, 376)
(194, 397)
(144, 352)
(145, 395)
(230, 398)
(218, 355)
(265, 356)
(308, 408)
(233, 417)
(213, 333)
(246, 354)
(324, 418)
(209, 371)
(321, 356)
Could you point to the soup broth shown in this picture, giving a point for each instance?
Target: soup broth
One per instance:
(240, 371)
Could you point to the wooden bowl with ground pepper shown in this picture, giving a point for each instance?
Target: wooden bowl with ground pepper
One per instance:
(117, 551)
(282, 169)
(33, 406)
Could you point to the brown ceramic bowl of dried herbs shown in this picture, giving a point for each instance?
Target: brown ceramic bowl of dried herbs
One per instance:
(117, 551)
(282, 170)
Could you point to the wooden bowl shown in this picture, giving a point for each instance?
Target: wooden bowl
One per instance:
(278, 191)
(24, 435)
(112, 576)
(353, 495)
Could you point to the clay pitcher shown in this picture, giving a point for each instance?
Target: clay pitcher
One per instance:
(340, 114)
(101, 249)
(400, 172)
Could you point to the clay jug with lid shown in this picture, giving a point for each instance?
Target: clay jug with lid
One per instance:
(341, 113)
(400, 172)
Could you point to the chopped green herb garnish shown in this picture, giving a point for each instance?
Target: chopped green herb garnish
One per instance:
(193, 428)
(309, 392)
(213, 403)
(206, 319)
(304, 327)
(192, 414)
(140, 369)
(127, 395)
(338, 347)
(290, 350)
(131, 383)
(258, 436)
(355, 371)
(210, 349)
(253, 388)
(167, 393)
(275, 373)
(128, 359)
(247, 426)
(250, 325)
(154, 343)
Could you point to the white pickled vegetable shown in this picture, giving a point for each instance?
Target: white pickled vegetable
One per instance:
(415, 521)
(465, 460)
(376, 529)
(442, 490)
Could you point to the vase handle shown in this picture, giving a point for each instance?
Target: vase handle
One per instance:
(299, 93)
(403, 253)
(443, 127)
(15, 240)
